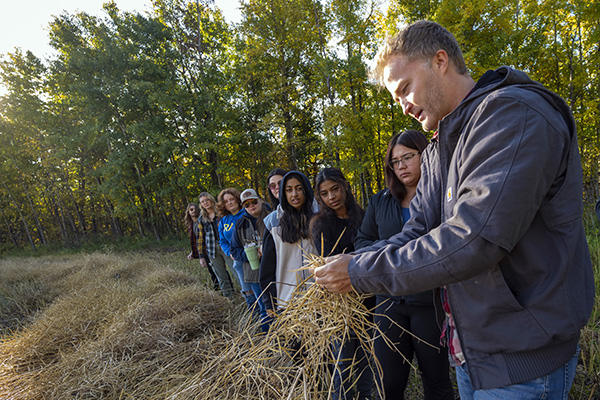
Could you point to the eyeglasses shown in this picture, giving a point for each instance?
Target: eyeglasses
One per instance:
(406, 160)
(248, 202)
(274, 185)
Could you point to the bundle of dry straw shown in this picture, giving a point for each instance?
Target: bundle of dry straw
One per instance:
(295, 359)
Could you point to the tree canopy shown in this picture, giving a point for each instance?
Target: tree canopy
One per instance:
(135, 114)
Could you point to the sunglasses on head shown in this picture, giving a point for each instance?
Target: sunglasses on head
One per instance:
(248, 202)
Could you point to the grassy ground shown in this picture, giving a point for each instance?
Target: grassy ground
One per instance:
(141, 324)
(587, 379)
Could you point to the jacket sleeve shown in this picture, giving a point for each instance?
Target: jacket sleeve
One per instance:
(223, 242)
(193, 243)
(483, 222)
(268, 267)
(368, 232)
(236, 247)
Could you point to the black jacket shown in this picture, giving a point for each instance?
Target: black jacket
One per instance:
(382, 221)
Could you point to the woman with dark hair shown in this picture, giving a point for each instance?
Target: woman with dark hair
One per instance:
(338, 221)
(197, 243)
(285, 246)
(387, 213)
(218, 260)
(230, 207)
(338, 211)
(273, 183)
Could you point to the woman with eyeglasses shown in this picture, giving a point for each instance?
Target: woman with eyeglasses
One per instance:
(273, 185)
(409, 322)
(230, 207)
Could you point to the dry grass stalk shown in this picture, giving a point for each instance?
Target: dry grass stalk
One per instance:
(292, 361)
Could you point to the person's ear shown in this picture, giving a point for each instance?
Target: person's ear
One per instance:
(440, 61)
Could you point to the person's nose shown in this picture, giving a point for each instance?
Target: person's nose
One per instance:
(406, 106)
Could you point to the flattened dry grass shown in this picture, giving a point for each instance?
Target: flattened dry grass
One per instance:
(147, 326)
(121, 327)
(129, 326)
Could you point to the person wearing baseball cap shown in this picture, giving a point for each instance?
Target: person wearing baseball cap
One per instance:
(246, 242)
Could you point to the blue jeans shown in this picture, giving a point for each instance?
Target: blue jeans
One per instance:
(261, 305)
(238, 267)
(555, 385)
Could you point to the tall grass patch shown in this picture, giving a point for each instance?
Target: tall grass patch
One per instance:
(587, 379)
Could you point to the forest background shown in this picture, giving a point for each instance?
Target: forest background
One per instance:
(136, 114)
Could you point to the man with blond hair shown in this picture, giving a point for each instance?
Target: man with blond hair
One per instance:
(496, 223)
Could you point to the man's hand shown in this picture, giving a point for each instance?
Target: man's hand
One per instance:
(333, 276)
(203, 262)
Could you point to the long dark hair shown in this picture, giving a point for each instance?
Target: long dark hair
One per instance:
(272, 199)
(353, 209)
(413, 140)
(294, 224)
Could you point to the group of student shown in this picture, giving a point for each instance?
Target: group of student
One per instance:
(515, 282)
(325, 219)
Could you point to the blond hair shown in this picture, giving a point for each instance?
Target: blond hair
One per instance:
(203, 211)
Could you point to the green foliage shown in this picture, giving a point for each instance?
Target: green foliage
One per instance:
(137, 114)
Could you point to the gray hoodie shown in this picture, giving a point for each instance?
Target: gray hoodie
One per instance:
(497, 220)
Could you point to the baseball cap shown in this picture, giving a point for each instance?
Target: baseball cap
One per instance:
(247, 195)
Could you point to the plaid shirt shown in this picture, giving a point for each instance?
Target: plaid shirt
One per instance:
(210, 237)
(449, 334)
(197, 241)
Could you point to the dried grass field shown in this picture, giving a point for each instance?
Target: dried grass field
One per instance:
(146, 325)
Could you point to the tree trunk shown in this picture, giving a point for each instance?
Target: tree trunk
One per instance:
(36, 218)
(25, 226)
(80, 217)
(9, 228)
(116, 229)
(53, 210)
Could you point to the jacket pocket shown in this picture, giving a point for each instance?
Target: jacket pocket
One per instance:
(489, 317)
